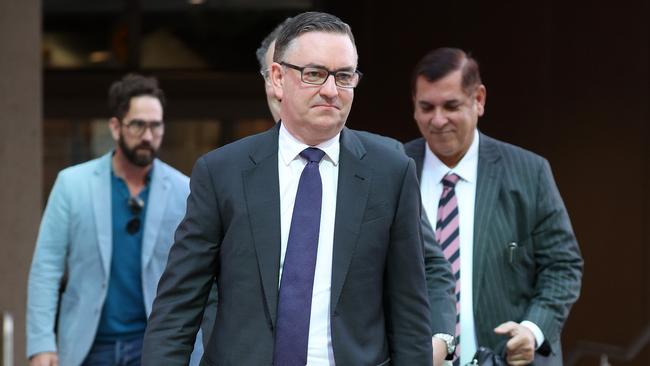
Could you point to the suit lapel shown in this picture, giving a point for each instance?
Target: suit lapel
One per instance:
(100, 190)
(487, 189)
(352, 195)
(157, 203)
(262, 195)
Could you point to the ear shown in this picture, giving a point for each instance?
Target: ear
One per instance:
(277, 79)
(114, 126)
(480, 97)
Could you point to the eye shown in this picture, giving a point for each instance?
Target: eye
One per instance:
(138, 123)
(452, 107)
(311, 74)
(425, 107)
(344, 77)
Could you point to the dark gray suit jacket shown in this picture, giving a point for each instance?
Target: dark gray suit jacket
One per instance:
(440, 280)
(518, 202)
(231, 232)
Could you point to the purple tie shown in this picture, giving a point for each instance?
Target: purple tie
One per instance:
(447, 236)
(294, 305)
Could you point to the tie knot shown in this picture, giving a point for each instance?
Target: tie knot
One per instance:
(450, 180)
(312, 154)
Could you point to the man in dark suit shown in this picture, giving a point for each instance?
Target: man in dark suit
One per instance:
(440, 282)
(310, 229)
(498, 217)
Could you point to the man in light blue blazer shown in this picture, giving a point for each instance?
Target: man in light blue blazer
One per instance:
(107, 230)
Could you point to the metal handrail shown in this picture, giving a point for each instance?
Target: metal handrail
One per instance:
(608, 351)
(7, 339)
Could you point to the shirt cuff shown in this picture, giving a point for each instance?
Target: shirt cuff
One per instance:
(539, 336)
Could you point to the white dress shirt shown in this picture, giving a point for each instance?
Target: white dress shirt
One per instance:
(433, 170)
(290, 166)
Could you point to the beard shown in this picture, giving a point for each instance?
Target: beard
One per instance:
(141, 155)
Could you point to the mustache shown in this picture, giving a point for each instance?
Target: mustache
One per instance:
(144, 145)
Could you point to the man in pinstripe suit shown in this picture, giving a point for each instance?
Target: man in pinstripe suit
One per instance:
(519, 266)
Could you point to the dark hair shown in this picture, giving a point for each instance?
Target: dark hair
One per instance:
(260, 53)
(443, 61)
(308, 22)
(131, 85)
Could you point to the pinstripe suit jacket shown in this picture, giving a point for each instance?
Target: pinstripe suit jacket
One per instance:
(517, 201)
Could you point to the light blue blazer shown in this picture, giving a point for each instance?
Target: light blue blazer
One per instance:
(75, 237)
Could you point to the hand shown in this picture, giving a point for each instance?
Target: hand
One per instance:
(520, 349)
(44, 359)
(439, 351)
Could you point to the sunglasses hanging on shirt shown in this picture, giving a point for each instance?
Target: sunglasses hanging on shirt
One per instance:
(136, 204)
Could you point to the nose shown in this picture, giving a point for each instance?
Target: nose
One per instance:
(147, 134)
(438, 118)
(329, 88)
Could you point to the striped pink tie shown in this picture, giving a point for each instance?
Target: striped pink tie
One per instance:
(447, 236)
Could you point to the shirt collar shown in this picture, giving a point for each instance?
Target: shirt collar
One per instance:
(289, 147)
(465, 169)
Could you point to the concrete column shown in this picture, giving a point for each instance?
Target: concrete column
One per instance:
(20, 155)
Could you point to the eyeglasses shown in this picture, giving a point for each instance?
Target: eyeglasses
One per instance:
(317, 75)
(136, 127)
(136, 204)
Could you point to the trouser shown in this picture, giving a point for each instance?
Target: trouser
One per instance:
(115, 353)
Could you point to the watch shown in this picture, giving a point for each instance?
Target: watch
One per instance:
(450, 342)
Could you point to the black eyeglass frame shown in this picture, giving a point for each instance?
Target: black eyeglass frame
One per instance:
(137, 127)
(358, 74)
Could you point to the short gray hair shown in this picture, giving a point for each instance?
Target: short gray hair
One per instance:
(308, 22)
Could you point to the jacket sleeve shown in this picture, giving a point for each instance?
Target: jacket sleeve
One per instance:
(408, 314)
(557, 257)
(47, 269)
(440, 282)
